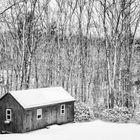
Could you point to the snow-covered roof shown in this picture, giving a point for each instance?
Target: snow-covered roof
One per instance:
(41, 96)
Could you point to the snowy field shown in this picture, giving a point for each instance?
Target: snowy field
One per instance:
(96, 130)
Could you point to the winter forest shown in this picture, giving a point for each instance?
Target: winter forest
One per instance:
(89, 47)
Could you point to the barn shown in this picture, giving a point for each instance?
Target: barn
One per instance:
(26, 110)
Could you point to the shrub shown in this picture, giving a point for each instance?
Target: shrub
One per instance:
(117, 114)
(137, 118)
(82, 112)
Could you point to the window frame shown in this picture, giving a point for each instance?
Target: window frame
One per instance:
(39, 114)
(8, 114)
(62, 109)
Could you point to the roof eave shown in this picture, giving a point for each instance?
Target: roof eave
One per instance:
(50, 104)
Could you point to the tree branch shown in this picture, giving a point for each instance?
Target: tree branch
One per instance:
(11, 7)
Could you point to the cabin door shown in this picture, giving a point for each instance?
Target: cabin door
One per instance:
(69, 113)
(53, 115)
(28, 121)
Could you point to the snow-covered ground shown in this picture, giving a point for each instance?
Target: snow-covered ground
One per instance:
(96, 130)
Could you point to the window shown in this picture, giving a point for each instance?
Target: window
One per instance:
(8, 115)
(62, 109)
(39, 114)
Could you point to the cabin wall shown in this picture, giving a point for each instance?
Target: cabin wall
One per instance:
(16, 124)
(69, 113)
(50, 115)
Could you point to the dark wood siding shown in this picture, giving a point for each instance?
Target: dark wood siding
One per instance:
(69, 113)
(16, 124)
(50, 115)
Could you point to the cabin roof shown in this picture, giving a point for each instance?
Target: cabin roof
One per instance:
(41, 97)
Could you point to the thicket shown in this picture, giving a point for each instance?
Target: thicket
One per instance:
(117, 114)
(82, 112)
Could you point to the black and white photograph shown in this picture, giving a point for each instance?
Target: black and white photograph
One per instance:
(69, 69)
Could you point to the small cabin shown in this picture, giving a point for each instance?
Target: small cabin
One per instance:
(27, 110)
